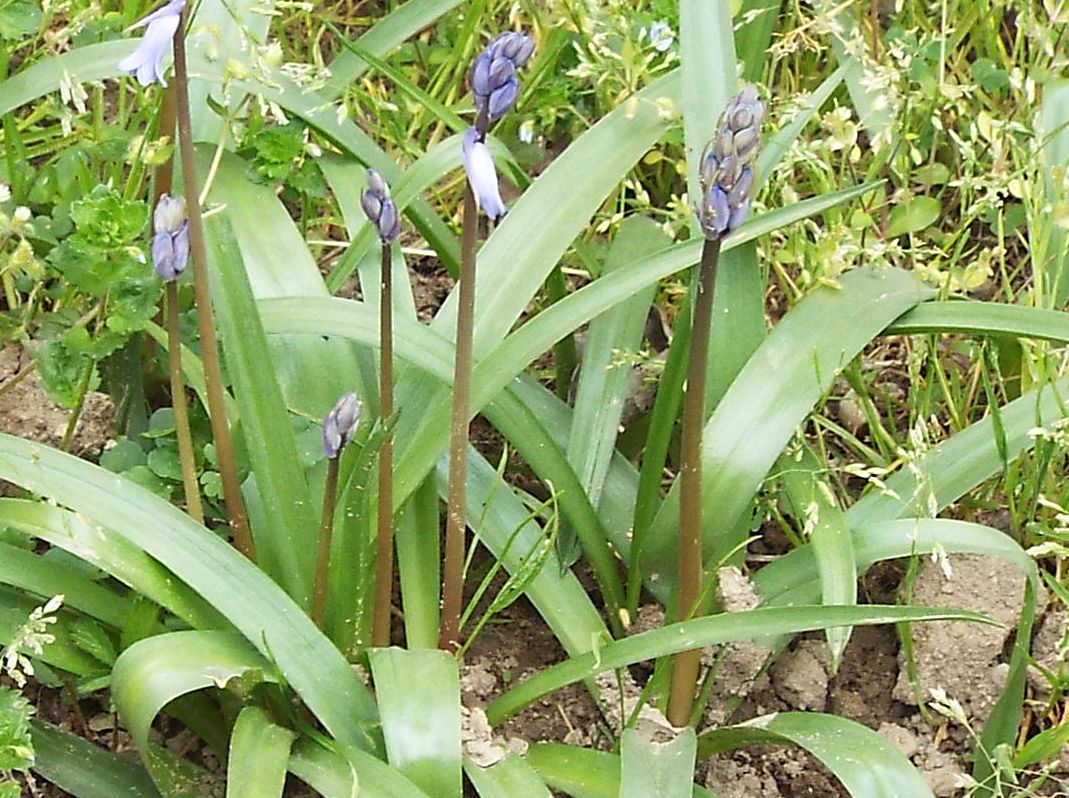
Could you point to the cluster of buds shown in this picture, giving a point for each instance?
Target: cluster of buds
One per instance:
(146, 62)
(727, 175)
(493, 78)
(495, 85)
(379, 208)
(339, 426)
(170, 246)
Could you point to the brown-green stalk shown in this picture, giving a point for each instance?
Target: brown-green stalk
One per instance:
(686, 664)
(326, 533)
(380, 629)
(213, 378)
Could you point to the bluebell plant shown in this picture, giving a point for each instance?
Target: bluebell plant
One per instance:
(382, 213)
(495, 86)
(727, 180)
(170, 245)
(146, 62)
(339, 427)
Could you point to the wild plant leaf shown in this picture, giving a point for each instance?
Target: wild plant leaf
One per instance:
(86, 770)
(259, 751)
(512, 776)
(866, 764)
(16, 748)
(583, 772)
(649, 768)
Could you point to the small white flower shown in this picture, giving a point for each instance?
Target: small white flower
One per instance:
(661, 36)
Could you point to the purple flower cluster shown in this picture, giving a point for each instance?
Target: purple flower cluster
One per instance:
(493, 78)
(339, 426)
(170, 246)
(727, 175)
(379, 208)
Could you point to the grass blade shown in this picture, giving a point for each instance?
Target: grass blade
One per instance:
(512, 776)
(86, 770)
(707, 631)
(582, 772)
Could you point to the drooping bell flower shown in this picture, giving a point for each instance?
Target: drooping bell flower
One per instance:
(339, 426)
(146, 62)
(380, 208)
(726, 172)
(170, 245)
(493, 78)
(482, 176)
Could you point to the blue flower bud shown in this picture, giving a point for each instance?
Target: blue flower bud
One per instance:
(493, 77)
(146, 62)
(482, 175)
(170, 246)
(726, 172)
(379, 208)
(340, 423)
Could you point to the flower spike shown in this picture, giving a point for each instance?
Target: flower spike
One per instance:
(340, 424)
(146, 62)
(170, 246)
(727, 165)
(380, 208)
(493, 78)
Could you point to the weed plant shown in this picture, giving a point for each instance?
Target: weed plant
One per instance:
(872, 359)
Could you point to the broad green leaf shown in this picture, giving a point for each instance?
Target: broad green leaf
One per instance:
(155, 671)
(913, 215)
(419, 565)
(358, 775)
(86, 770)
(419, 700)
(983, 318)
(651, 768)
(582, 772)
(512, 776)
(867, 765)
(110, 553)
(703, 632)
(1047, 233)
(259, 751)
(31, 572)
(242, 593)
(778, 387)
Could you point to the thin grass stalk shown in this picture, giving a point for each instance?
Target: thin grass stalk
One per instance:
(456, 520)
(326, 534)
(686, 664)
(213, 378)
(181, 409)
(380, 628)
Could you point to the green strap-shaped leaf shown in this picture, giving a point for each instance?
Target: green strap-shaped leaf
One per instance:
(583, 772)
(259, 752)
(867, 765)
(419, 701)
(662, 769)
(513, 776)
(779, 386)
(707, 631)
(86, 770)
(241, 592)
(983, 318)
(356, 775)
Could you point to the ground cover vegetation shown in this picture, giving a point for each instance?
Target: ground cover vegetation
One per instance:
(748, 300)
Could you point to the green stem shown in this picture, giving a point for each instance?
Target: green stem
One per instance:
(685, 667)
(565, 357)
(380, 630)
(213, 376)
(326, 532)
(181, 411)
(453, 566)
(76, 412)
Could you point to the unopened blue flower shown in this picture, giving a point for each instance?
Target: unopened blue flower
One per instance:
(493, 78)
(339, 426)
(726, 171)
(170, 246)
(146, 62)
(379, 208)
(482, 175)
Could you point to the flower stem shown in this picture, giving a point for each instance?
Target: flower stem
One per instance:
(326, 531)
(213, 378)
(456, 521)
(181, 411)
(685, 667)
(380, 630)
